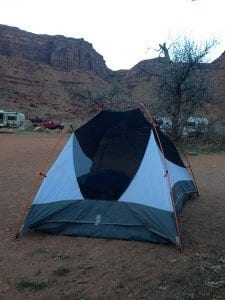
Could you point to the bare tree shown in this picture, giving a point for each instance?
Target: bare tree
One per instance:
(99, 95)
(186, 83)
(163, 49)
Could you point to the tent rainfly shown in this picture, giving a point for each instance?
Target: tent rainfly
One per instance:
(118, 176)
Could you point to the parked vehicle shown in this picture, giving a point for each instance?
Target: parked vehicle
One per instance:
(15, 119)
(11, 119)
(164, 123)
(47, 124)
(193, 126)
(3, 119)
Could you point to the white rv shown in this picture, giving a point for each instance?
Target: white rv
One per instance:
(11, 119)
(3, 119)
(193, 126)
(164, 123)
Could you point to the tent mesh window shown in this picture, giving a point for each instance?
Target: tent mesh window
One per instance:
(115, 142)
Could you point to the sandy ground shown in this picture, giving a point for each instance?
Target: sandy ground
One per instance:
(42, 266)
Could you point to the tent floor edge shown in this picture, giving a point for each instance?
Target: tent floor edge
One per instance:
(104, 219)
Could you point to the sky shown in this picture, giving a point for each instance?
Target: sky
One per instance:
(124, 32)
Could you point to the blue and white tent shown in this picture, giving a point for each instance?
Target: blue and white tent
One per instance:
(117, 177)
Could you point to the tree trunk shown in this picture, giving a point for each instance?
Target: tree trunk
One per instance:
(176, 116)
(175, 127)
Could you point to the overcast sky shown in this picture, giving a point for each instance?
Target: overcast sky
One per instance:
(120, 30)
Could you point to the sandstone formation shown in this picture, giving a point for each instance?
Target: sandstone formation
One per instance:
(42, 75)
(58, 51)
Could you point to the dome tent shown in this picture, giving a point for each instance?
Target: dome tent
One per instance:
(118, 176)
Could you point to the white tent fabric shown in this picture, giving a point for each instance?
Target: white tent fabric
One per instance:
(176, 173)
(150, 186)
(61, 182)
(82, 162)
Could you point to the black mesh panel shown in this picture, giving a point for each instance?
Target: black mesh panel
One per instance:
(116, 143)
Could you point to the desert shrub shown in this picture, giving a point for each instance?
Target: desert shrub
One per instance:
(28, 126)
(34, 285)
(61, 271)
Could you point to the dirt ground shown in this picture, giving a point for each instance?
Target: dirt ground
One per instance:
(42, 266)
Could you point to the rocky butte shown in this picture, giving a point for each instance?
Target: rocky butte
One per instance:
(57, 51)
(41, 74)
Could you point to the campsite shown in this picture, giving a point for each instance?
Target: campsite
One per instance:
(44, 266)
(98, 200)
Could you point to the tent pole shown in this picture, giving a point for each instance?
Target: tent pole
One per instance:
(37, 183)
(190, 170)
(181, 246)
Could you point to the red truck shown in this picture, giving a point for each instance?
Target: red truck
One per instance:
(47, 124)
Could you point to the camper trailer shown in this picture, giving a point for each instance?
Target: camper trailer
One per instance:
(15, 119)
(11, 119)
(196, 125)
(3, 119)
